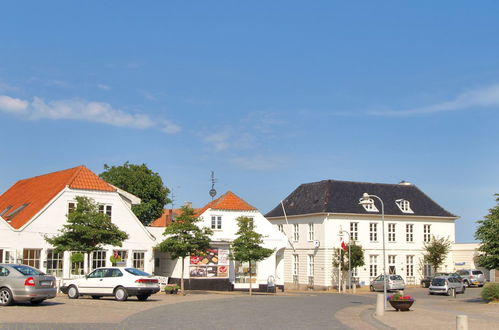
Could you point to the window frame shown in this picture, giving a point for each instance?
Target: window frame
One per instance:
(373, 232)
(216, 222)
(392, 232)
(409, 233)
(311, 232)
(354, 231)
(296, 232)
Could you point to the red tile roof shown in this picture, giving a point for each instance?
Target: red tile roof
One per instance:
(29, 196)
(227, 202)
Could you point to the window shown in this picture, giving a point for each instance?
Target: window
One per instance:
(409, 265)
(216, 222)
(4, 271)
(296, 234)
(310, 231)
(242, 272)
(354, 231)
(373, 232)
(391, 264)
(280, 227)
(373, 265)
(295, 268)
(391, 232)
(409, 233)
(310, 270)
(106, 209)
(31, 257)
(71, 207)
(370, 207)
(98, 273)
(54, 263)
(98, 259)
(404, 205)
(311, 265)
(138, 259)
(77, 266)
(426, 233)
(428, 271)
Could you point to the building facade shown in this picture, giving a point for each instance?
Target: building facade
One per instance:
(37, 207)
(215, 270)
(317, 216)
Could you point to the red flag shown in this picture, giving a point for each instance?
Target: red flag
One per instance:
(344, 246)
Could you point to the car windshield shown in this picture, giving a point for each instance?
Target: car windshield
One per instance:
(395, 278)
(477, 272)
(137, 272)
(438, 282)
(26, 270)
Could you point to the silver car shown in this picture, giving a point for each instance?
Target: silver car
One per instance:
(20, 283)
(445, 285)
(393, 282)
(472, 277)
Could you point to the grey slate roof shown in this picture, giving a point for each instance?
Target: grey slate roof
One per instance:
(332, 196)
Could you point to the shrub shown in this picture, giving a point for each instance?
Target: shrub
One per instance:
(490, 292)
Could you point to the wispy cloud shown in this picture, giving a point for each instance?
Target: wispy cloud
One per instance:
(104, 87)
(259, 162)
(483, 97)
(79, 109)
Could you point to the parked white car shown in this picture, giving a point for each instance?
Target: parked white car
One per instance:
(120, 282)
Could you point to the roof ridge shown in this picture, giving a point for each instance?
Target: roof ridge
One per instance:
(350, 181)
(75, 174)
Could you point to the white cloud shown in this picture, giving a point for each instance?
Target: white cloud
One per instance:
(484, 97)
(219, 140)
(104, 87)
(258, 162)
(78, 109)
(12, 105)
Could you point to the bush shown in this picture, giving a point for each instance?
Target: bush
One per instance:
(490, 292)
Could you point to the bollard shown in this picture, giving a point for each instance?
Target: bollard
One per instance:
(354, 288)
(380, 304)
(462, 322)
(454, 292)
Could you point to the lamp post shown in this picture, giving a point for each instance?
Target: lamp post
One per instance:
(349, 260)
(366, 200)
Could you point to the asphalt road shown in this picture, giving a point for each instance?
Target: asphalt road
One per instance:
(300, 311)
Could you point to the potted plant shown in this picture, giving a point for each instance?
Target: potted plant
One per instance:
(400, 302)
(171, 289)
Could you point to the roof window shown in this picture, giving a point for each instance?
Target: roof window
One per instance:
(369, 206)
(404, 205)
(6, 210)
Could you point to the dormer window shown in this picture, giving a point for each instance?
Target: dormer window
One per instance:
(404, 205)
(369, 206)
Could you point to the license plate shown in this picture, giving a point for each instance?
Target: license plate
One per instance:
(46, 283)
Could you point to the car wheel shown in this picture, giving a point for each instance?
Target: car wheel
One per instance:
(36, 302)
(142, 297)
(371, 288)
(5, 297)
(449, 292)
(73, 292)
(120, 294)
(96, 297)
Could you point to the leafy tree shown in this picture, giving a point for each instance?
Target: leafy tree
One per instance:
(87, 229)
(436, 251)
(246, 247)
(185, 238)
(488, 234)
(340, 258)
(142, 182)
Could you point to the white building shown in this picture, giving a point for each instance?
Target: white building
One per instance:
(215, 270)
(314, 215)
(37, 207)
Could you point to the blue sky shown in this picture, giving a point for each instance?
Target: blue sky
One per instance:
(268, 95)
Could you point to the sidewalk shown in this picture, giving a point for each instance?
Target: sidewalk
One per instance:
(424, 314)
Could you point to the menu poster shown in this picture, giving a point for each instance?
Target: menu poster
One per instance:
(213, 263)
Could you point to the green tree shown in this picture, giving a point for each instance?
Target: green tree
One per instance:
(185, 238)
(247, 246)
(435, 251)
(142, 182)
(87, 230)
(488, 235)
(340, 258)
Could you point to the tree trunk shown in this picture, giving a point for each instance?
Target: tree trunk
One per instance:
(250, 291)
(182, 278)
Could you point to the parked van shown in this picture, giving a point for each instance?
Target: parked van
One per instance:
(472, 277)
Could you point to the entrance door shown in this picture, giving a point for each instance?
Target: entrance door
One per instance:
(1, 256)
(391, 265)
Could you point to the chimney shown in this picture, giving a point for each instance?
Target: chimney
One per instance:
(188, 204)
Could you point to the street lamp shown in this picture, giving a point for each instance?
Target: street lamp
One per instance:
(366, 200)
